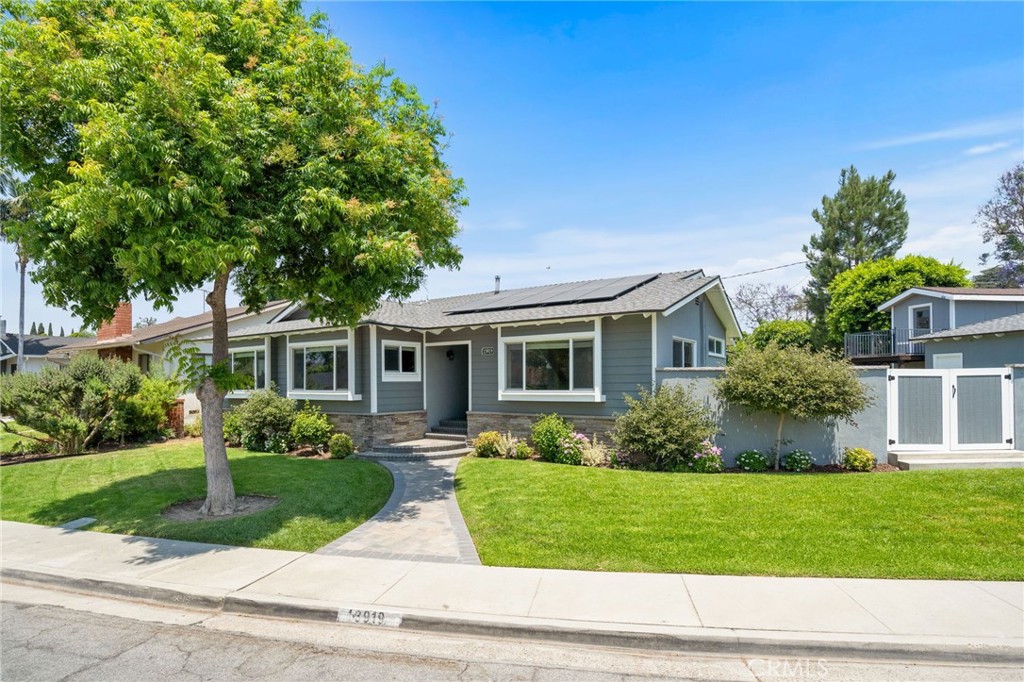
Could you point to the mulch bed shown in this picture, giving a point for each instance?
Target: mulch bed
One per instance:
(244, 506)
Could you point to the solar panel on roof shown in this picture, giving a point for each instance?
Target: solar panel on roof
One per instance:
(556, 294)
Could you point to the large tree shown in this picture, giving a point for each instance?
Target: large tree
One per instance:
(761, 302)
(866, 219)
(857, 293)
(1002, 223)
(14, 209)
(169, 145)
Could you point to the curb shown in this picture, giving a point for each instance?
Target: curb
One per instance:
(635, 637)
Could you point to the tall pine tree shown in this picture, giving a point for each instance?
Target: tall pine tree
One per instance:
(866, 219)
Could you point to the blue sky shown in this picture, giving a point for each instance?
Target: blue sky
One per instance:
(607, 139)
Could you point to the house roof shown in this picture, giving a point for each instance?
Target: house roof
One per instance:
(957, 294)
(34, 345)
(162, 330)
(1000, 325)
(654, 293)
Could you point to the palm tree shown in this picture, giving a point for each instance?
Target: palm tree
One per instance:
(13, 207)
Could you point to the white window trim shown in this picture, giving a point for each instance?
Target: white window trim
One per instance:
(721, 341)
(910, 316)
(303, 394)
(246, 392)
(386, 375)
(684, 340)
(580, 395)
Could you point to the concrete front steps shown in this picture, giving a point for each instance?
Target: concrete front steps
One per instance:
(444, 441)
(988, 459)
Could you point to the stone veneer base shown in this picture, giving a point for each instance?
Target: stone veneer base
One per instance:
(369, 431)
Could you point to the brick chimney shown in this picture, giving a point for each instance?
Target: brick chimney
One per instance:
(120, 325)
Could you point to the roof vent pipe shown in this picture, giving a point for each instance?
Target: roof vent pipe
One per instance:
(497, 284)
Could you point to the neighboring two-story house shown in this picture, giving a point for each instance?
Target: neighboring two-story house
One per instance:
(946, 328)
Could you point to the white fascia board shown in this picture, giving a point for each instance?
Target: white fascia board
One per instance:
(948, 297)
(720, 302)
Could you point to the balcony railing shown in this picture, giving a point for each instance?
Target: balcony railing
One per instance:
(889, 343)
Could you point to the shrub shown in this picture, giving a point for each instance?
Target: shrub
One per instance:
(752, 460)
(266, 421)
(341, 446)
(29, 447)
(797, 460)
(194, 429)
(858, 459)
(663, 428)
(312, 428)
(71, 404)
(486, 444)
(570, 449)
(232, 429)
(707, 459)
(523, 450)
(547, 435)
(595, 454)
(144, 415)
(507, 445)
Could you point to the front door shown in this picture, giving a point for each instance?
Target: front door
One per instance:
(950, 409)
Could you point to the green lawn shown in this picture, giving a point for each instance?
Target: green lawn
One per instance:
(930, 524)
(125, 491)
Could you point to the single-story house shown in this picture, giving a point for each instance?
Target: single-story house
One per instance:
(922, 313)
(992, 343)
(493, 360)
(40, 351)
(119, 338)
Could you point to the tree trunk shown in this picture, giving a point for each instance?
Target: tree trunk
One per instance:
(22, 267)
(220, 490)
(778, 441)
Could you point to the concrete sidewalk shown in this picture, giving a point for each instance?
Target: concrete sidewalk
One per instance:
(820, 617)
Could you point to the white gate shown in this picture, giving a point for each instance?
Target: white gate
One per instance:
(950, 409)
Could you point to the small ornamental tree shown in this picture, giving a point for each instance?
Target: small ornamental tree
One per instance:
(857, 293)
(794, 383)
(175, 146)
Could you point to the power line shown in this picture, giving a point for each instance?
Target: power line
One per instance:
(755, 272)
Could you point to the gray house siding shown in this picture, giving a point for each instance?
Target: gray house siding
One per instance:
(398, 396)
(985, 351)
(940, 311)
(972, 312)
(695, 321)
(740, 431)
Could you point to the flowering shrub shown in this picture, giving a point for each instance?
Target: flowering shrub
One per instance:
(707, 459)
(507, 445)
(570, 448)
(486, 444)
(660, 430)
(547, 435)
(858, 459)
(797, 460)
(595, 454)
(752, 460)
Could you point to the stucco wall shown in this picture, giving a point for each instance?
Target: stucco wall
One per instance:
(984, 351)
(825, 441)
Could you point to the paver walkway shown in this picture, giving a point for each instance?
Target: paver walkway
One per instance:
(421, 521)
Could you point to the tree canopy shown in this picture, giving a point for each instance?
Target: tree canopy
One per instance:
(169, 145)
(857, 293)
(783, 333)
(866, 219)
(1002, 223)
(764, 301)
(792, 382)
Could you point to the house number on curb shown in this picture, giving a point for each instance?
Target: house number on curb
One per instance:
(487, 350)
(367, 617)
